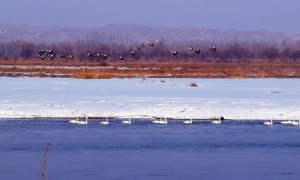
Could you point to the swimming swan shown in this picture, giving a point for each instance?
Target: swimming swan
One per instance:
(74, 120)
(217, 122)
(294, 122)
(188, 121)
(269, 123)
(104, 122)
(161, 121)
(157, 121)
(127, 122)
(287, 122)
(83, 122)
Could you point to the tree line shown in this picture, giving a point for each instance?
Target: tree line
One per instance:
(227, 52)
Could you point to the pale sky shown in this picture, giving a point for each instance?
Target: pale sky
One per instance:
(272, 15)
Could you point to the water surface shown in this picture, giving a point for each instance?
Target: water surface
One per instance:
(233, 150)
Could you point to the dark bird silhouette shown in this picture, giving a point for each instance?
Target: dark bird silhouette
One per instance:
(98, 55)
(151, 44)
(41, 56)
(41, 51)
(132, 53)
(89, 54)
(191, 48)
(104, 56)
(213, 48)
(120, 58)
(52, 56)
(68, 56)
(198, 51)
(49, 52)
(174, 53)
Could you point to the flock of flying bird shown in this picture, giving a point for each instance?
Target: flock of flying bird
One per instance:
(42, 54)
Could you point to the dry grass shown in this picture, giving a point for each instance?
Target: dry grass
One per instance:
(193, 84)
(160, 70)
(84, 74)
(45, 161)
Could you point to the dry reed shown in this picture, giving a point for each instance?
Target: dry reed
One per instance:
(193, 84)
(162, 70)
(44, 163)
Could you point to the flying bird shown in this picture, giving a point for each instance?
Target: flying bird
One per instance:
(68, 56)
(52, 56)
(191, 48)
(41, 51)
(198, 51)
(213, 48)
(104, 56)
(49, 52)
(151, 44)
(132, 53)
(89, 54)
(174, 53)
(98, 55)
(120, 58)
(41, 56)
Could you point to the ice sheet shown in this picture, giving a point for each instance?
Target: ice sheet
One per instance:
(231, 98)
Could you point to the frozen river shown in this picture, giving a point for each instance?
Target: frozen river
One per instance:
(231, 98)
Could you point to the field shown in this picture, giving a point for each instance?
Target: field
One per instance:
(107, 69)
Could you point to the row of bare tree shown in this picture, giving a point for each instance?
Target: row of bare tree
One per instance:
(243, 52)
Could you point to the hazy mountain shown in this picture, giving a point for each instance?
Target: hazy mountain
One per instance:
(134, 33)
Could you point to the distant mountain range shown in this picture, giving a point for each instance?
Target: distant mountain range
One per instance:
(136, 33)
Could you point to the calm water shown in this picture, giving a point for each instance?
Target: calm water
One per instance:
(238, 150)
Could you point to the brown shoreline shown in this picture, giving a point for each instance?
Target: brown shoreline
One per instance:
(107, 70)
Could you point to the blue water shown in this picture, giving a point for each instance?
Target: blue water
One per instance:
(233, 150)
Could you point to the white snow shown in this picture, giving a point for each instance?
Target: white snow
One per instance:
(231, 98)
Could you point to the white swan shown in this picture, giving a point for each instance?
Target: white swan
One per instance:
(188, 121)
(164, 122)
(161, 121)
(104, 122)
(269, 123)
(294, 122)
(217, 122)
(74, 120)
(127, 122)
(83, 122)
(287, 122)
(157, 121)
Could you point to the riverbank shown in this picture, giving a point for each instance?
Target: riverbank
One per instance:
(144, 70)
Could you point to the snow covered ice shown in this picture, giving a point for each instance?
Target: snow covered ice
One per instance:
(231, 98)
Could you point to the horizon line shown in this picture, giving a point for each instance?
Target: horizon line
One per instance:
(114, 24)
